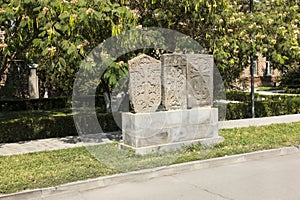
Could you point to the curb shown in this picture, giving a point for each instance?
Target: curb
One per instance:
(146, 174)
(263, 121)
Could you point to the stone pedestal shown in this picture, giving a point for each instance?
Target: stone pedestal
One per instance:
(169, 130)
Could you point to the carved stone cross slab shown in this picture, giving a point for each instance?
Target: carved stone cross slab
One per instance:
(174, 81)
(144, 83)
(199, 80)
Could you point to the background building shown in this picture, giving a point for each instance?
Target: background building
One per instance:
(264, 75)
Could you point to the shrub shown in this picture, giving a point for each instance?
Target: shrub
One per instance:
(44, 104)
(246, 96)
(264, 108)
(292, 90)
(40, 127)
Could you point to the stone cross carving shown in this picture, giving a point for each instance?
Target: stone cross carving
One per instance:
(183, 85)
(187, 80)
(174, 81)
(199, 80)
(180, 81)
(144, 83)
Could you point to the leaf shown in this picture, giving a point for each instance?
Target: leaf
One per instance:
(37, 42)
(37, 8)
(62, 62)
(64, 16)
(45, 51)
(112, 79)
(71, 50)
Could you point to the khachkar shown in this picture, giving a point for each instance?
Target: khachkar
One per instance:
(174, 73)
(145, 83)
(183, 85)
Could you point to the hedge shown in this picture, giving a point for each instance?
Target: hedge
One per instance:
(265, 108)
(246, 96)
(292, 90)
(44, 104)
(265, 105)
(239, 96)
(40, 127)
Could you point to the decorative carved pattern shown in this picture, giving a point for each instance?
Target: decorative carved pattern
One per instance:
(174, 81)
(187, 81)
(145, 83)
(200, 80)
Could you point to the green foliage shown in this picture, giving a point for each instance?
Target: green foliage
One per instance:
(239, 96)
(273, 106)
(271, 88)
(227, 30)
(292, 90)
(59, 34)
(291, 77)
(46, 104)
(45, 125)
(34, 104)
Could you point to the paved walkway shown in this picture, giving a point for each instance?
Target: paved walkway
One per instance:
(71, 142)
(265, 179)
(43, 145)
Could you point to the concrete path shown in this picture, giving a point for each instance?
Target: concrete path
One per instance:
(266, 179)
(42, 145)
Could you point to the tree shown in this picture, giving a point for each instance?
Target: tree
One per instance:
(58, 34)
(280, 21)
(229, 31)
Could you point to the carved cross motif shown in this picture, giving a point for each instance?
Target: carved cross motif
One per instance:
(145, 83)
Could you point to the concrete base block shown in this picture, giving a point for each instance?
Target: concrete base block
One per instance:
(168, 130)
(170, 147)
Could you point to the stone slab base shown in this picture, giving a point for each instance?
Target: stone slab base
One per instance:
(171, 146)
(166, 127)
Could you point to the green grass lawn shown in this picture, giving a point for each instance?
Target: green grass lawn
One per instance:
(44, 169)
(269, 88)
(5, 116)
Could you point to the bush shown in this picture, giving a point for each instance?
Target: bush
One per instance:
(34, 104)
(266, 108)
(240, 96)
(44, 104)
(292, 90)
(40, 127)
(246, 96)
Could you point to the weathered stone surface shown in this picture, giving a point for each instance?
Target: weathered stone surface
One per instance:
(183, 81)
(147, 129)
(199, 80)
(174, 81)
(33, 84)
(171, 146)
(187, 80)
(145, 83)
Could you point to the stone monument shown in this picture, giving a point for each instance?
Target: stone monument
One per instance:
(183, 85)
(33, 82)
(145, 83)
(174, 81)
